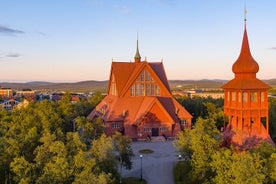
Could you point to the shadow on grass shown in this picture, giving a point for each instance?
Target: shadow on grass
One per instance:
(133, 180)
(183, 173)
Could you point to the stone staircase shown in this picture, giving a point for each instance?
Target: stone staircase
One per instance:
(158, 139)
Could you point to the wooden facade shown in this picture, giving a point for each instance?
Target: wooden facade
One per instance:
(246, 101)
(139, 102)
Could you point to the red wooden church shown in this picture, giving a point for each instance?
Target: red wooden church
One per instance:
(139, 102)
(246, 101)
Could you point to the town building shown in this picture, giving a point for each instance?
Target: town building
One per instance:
(28, 94)
(246, 101)
(139, 102)
(6, 93)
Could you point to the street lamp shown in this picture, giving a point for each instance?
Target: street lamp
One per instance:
(141, 158)
(179, 157)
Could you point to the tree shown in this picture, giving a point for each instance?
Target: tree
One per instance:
(200, 144)
(122, 145)
(103, 151)
(231, 167)
(89, 130)
(272, 118)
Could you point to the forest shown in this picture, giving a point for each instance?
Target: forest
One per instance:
(52, 142)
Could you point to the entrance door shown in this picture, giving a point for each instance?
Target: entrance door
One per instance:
(155, 132)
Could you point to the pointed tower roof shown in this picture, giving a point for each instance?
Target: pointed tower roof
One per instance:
(245, 69)
(245, 63)
(137, 57)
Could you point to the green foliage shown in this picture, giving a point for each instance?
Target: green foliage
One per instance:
(38, 145)
(201, 107)
(122, 145)
(89, 130)
(211, 163)
(183, 173)
(272, 118)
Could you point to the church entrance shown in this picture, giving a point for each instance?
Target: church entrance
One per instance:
(155, 132)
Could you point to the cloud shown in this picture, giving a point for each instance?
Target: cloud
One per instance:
(273, 48)
(13, 55)
(95, 2)
(7, 30)
(125, 10)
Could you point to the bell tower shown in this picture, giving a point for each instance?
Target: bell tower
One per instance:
(246, 100)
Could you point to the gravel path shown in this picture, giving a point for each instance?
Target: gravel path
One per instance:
(157, 167)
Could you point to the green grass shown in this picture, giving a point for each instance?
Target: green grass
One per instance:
(132, 180)
(146, 151)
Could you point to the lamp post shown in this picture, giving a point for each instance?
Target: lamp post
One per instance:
(141, 158)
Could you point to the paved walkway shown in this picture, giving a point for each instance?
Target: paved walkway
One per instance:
(157, 167)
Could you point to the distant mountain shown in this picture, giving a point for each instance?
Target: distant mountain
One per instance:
(92, 85)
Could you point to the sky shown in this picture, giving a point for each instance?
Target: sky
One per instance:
(76, 40)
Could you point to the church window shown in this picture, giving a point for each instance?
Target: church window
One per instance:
(148, 90)
(253, 96)
(163, 129)
(183, 122)
(116, 125)
(152, 89)
(142, 75)
(147, 130)
(145, 86)
(157, 90)
(148, 77)
(142, 90)
(137, 89)
(132, 91)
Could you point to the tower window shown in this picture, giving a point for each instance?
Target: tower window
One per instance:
(244, 96)
(253, 96)
(240, 96)
(233, 96)
(262, 96)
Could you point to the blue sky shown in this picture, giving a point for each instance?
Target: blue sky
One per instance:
(75, 40)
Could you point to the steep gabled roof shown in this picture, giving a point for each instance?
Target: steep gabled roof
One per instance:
(121, 71)
(157, 71)
(113, 108)
(160, 72)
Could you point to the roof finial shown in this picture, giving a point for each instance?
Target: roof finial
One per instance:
(245, 11)
(137, 57)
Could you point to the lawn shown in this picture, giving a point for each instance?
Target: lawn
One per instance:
(146, 151)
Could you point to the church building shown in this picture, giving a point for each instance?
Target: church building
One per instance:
(139, 102)
(246, 101)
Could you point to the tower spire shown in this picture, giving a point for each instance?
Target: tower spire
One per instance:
(137, 57)
(245, 62)
(245, 11)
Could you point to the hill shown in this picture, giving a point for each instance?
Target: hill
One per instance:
(86, 86)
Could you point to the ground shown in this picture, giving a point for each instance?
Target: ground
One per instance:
(157, 167)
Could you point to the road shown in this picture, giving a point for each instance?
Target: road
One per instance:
(157, 167)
